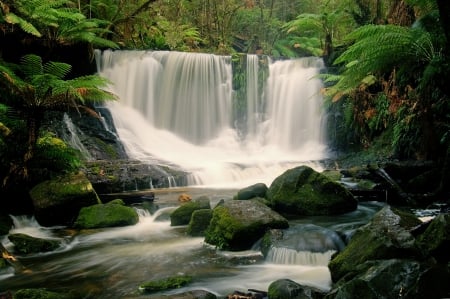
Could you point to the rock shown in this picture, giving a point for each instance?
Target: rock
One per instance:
(386, 236)
(286, 288)
(5, 224)
(302, 237)
(184, 197)
(199, 222)
(27, 244)
(165, 284)
(435, 240)
(303, 191)
(58, 201)
(238, 224)
(182, 215)
(194, 294)
(118, 176)
(112, 214)
(256, 190)
(394, 278)
(38, 294)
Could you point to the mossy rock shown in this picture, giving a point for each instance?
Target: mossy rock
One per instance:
(173, 282)
(182, 215)
(38, 294)
(106, 215)
(58, 201)
(256, 190)
(200, 220)
(435, 240)
(304, 191)
(386, 236)
(27, 244)
(238, 224)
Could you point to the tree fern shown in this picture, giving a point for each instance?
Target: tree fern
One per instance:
(377, 49)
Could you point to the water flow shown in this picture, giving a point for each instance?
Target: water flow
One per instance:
(73, 137)
(177, 108)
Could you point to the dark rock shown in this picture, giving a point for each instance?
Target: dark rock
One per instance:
(195, 294)
(256, 190)
(394, 278)
(386, 236)
(58, 201)
(435, 240)
(238, 224)
(116, 176)
(182, 215)
(200, 220)
(27, 244)
(286, 288)
(112, 214)
(38, 294)
(303, 191)
(5, 224)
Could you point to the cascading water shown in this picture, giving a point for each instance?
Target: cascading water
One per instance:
(177, 108)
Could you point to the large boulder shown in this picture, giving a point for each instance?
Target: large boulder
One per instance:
(58, 201)
(303, 191)
(286, 288)
(112, 214)
(386, 236)
(182, 215)
(238, 224)
(27, 244)
(435, 240)
(256, 190)
(394, 278)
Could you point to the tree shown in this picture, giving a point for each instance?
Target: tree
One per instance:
(408, 66)
(33, 88)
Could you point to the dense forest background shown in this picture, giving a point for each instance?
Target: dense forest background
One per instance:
(386, 84)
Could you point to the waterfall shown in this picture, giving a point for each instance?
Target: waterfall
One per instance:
(177, 108)
(287, 256)
(72, 137)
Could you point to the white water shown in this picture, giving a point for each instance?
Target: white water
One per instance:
(176, 108)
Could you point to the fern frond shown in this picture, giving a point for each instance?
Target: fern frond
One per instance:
(11, 18)
(31, 65)
(57, 69)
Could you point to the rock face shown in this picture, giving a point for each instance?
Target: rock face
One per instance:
(58, 201)
(111, 214)
(303, 191)
(182, 215)
(238, 224)
(26, 244)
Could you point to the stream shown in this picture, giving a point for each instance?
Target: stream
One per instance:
(113, 262)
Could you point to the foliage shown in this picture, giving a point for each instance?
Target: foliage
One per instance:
(33, 88)
(55, 22)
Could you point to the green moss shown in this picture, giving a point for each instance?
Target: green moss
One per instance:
(37, 294)
(222, 228)
(200, 220)
(182, 215)
(165, 284)
(106, 215)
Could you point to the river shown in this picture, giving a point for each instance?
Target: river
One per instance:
(113, 262)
